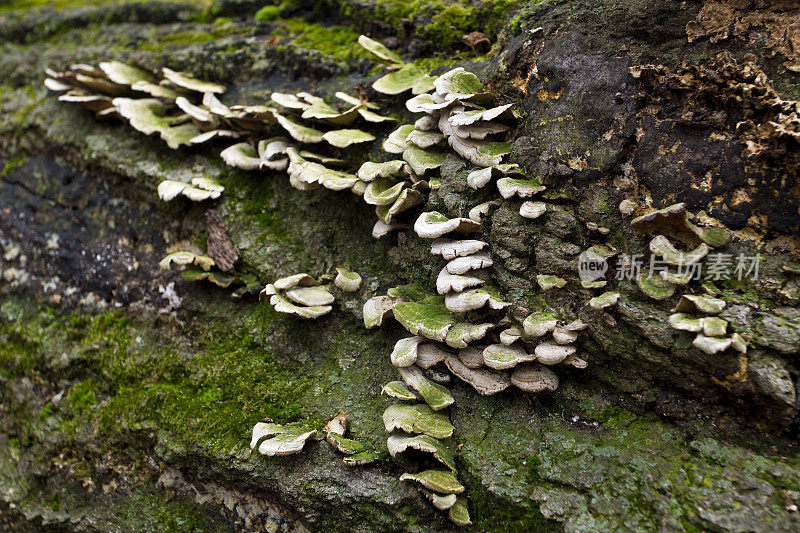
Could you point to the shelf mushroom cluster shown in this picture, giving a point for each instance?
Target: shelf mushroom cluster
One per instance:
(697, 314)
(462, 330)
(668, 226)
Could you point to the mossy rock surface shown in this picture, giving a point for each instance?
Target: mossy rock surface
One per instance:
(124, 412)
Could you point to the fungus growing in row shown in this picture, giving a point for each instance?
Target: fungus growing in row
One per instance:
(509, 187)
(275, 439)
(299, 295)
(197, 190)
(424, 443)
(435, 395)
(347, 280)
(534, 378)
(399, 390)
(532, 210)
(441, 481)
(417, 418)
(433, 224)
(550, 282)
(356, 455)
(605, 300)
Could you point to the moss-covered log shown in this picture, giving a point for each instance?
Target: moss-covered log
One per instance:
(128, 393)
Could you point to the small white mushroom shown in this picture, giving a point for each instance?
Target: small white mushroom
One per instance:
(551, 354)
(690, 303)
(502, 357)
(447, 282)
(607, 299)
(684, 322)
(450, 249)
(509, 187)
(562, 335)
(574, 361)
(532, 210)
(711, 345)
(539, 324)
(347, 280)
(486, 382)
(405, 351)
(433, 224)
(375, 309)
(534, 378)
(430, 355)
(462, 265)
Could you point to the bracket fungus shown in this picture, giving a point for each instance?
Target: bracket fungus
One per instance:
(197, 190)
(147, 116)
(417, 418)
(509, 187)
(399, 390)
(187, 81)
(405, 351)
(502, 357)
(547, 282)
(690, 303)
(655, 287)
(661, 246)
(186, 257)
(551, 354)
(532, 210)
(441, 481)
(534, 377)
(430, 355)
(299, 295)
(433, 224)
(674, 220)
(450, 249)
(375, 309)
(435, 395)
(428, 318)
(539, 324)
(275, 439)
(605, 300)
(347, 280)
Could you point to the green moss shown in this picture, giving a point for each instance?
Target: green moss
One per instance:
(268, 14)
(160, 41)
(153, 513)
(339, 42)
(11, 163)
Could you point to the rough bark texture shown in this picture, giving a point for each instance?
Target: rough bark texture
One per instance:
(124, 408)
